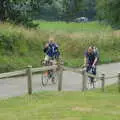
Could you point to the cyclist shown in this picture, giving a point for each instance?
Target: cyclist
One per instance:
(52, 54)
(90, 61)
(51, 50)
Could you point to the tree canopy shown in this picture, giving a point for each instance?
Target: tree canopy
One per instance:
(109, 10)
(22, 11)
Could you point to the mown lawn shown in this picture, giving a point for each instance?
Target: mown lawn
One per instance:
(92, 105)
(72, 27)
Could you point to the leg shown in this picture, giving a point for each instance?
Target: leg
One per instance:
(94, 73)
(88, 70)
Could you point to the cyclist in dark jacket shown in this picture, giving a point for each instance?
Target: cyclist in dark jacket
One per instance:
(91, 59)
(51, 50)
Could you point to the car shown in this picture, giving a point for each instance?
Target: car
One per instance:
(81, 19)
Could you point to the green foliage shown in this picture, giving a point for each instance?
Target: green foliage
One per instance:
(109, 10)
(66, 9)
(88, 9)
(19, 47)
(56, 9)
(13, 10)
(71, 7)
(23, 11)
(16, 11)
(13, 44)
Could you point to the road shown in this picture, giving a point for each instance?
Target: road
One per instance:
(71, 82)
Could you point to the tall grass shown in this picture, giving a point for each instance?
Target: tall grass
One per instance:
(20, 47)
(74, 48)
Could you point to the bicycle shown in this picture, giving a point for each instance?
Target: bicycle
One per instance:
(92, 79)
(50, 75)
(91, 70)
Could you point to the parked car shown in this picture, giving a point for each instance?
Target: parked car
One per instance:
(81, 19)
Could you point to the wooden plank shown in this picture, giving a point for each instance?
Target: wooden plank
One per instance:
(45, 68)
(111, 77)
(77, 70)
(12, 74)
(91, 75)
(23, 72)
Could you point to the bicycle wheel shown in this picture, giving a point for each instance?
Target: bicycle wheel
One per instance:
(44, 78)
(54, 77)
(92, 82)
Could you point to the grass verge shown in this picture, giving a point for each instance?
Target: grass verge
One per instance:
(91, 105)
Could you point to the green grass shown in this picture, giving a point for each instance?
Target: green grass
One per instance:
(20, 47)
(72, 27)
(91, 105)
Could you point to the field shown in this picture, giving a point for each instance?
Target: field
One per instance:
(91, 105)
(72, 27)
(20, 46)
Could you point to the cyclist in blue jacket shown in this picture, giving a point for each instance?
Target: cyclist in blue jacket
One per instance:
(51, 50)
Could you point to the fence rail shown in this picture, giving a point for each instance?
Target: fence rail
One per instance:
(77, 70)
(45, 68)
(29, 71)
(12, 74)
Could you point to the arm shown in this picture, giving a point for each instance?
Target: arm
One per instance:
(45, 48)
(85, 61)
(57, 52)
(95, 61)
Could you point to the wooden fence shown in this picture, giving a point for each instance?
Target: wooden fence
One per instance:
(102, 78)
(29, 71)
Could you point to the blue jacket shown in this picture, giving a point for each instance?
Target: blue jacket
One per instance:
(52, 50)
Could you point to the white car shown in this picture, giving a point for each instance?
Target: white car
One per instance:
(81, 19)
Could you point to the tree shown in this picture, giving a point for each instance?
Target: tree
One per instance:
(71, 7)
(58, 9)
(109, 10)
(3, 9)
(21, 11)
(14, 10)
(89, 8)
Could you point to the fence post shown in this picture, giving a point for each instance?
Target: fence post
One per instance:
(60, 77)
(29, 81)
(102, 82)
(119, 82)
(84, 83)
